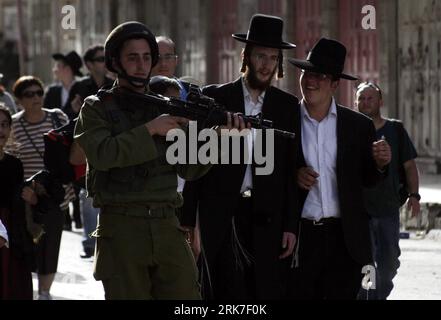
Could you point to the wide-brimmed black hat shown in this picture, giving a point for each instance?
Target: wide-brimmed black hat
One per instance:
(265, 31)
(72, 59)
(327, 56)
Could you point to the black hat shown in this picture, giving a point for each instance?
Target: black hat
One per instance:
(265, 31)
(327, 56)
(72, 59)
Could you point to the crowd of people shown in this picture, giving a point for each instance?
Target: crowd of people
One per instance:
(329, 208)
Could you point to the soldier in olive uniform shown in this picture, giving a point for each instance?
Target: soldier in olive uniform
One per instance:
(141, 250)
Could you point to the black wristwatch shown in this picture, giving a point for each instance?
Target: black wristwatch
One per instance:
(415, 195)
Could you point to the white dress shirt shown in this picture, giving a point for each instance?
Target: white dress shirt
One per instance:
(319, 145)
(65, 94)
(3, 233)
(181, 184)
(251, 109)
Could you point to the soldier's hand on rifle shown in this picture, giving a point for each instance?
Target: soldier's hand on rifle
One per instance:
(162, 124)
(234, 121)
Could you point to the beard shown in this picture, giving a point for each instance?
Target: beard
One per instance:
(252, 80)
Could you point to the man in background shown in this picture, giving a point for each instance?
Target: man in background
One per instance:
(383, 200)
(167, 63)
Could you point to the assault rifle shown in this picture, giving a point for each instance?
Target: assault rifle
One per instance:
(204, 110)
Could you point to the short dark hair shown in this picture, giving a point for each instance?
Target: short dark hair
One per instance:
(91, 51)
(25, 82)
(5, 111)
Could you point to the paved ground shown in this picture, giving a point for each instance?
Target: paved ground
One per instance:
(74, 280)
(419, 276)
(430, 188)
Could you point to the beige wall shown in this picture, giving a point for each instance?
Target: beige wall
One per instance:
(409, 50)
(419, 73)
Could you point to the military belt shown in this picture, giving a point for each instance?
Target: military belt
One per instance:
(140, 211)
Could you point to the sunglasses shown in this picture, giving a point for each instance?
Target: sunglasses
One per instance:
(31, 94)
(98, 59)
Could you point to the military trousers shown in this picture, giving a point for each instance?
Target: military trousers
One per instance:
(144, 256)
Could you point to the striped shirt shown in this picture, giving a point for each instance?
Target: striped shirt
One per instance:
(29, 137)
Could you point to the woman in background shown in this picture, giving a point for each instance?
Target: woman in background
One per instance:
(28, 127)
(16, 258)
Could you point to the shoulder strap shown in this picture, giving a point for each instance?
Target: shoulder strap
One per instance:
(113, 111)
(30, 138)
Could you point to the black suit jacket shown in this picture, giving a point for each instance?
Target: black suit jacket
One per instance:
(356, 169)
(52, 98)
(216, 194)
(273, 194)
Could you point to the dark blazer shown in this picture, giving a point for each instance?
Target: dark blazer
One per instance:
(217, 193)
(356, 169)
(52, 98)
